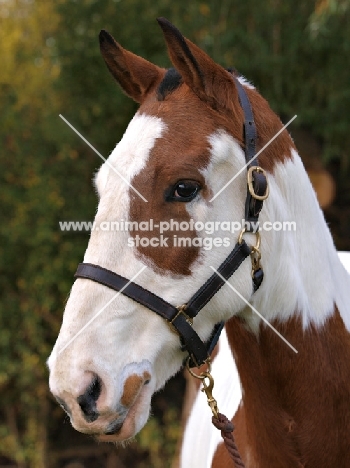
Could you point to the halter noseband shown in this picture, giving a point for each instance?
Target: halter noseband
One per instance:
(181, 318)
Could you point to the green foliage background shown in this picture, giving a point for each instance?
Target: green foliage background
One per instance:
(296, 53)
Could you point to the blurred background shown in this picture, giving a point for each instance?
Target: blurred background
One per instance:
(297, 55)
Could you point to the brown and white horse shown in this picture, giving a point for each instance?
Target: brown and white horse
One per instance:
(183, 145)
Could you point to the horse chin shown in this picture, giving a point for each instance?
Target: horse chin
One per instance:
(134, 421)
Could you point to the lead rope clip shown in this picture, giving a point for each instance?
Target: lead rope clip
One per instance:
(207, 386)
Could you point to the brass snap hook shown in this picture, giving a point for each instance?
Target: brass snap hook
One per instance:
(207, 386)
(255, 253)
(208, 389)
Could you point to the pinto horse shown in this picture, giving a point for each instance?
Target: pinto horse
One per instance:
(189, 139)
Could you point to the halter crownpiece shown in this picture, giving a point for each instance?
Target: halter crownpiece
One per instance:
(181, 318)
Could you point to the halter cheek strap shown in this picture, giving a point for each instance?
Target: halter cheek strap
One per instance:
(181, 318)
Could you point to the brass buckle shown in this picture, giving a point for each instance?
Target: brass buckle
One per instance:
(181, 310)
(250, 183)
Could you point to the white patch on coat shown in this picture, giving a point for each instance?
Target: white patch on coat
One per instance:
(302, 271)
(125, 333)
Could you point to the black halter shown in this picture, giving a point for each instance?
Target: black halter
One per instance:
(181, 317)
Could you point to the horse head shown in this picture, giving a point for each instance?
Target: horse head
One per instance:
(166, 228)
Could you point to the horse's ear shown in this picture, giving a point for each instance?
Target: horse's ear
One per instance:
(210, 81)
(135, 75)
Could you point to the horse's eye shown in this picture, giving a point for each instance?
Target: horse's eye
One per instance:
(184, 191)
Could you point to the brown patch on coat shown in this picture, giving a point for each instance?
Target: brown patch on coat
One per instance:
(214, 85)
(132, 386)
(296, 406)
(181, 153)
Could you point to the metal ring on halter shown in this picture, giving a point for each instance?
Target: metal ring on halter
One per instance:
(256, 247)
(201, 376)
(250, 183)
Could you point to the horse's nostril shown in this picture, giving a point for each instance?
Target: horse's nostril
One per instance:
(87, 401)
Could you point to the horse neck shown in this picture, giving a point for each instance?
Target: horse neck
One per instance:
(303, 276)
(303, 295)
